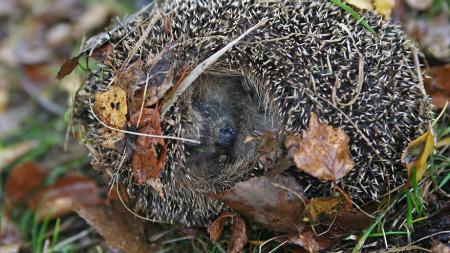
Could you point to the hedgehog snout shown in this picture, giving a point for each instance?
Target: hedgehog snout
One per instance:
(226, 136)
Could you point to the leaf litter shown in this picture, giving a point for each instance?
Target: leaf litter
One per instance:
(321, 151)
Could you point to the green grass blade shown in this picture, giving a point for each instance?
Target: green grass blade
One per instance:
(354, 14)
(55, 235)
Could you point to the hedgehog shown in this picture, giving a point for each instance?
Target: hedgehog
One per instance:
(308, 57)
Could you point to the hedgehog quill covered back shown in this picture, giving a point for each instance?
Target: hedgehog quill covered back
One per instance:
(307, 58)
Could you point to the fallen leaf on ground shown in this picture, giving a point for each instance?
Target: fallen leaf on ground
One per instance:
(11, 153)
(239, 231)
(439, 247)
(384, 7)
(67, 67)
(438, 86)
(23, 180)
(436, 224)
(320, 208)
(419, 5)
(148, 159)
(276, 202)
(416, 154)
(215, 229)
(111, 107)
(311, 242)
(432, 34)
(239, 235)
(321, 151)
(361, 4)
(59, 198)
(120, 228)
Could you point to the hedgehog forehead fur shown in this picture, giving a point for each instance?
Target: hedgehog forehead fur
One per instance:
(310, 56)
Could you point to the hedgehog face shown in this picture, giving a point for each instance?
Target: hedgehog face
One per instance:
(220, 114)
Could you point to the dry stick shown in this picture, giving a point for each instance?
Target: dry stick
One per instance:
(203, 66)
(136, 133)
(144, 97)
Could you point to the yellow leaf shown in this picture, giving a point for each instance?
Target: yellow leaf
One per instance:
(384, 7)
(361, 4)
(320, 208)
(417, 153)
(111, 107)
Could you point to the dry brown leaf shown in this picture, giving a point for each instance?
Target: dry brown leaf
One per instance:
(119, 228)
(274, 202)
(322, 151)
(439, 247)
(416, 154)
(361, 4)
(125, 79)
(67, 67)
(23, 181)
(148, 159)
(215, 229)
(439, 85)
(110, 138)
(239, 236)
(311, 242)
(102, 52)
(11, 153)
(58, 199)
(159, 79)
(111, 107)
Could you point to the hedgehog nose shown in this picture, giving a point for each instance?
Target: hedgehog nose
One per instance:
(226, 136)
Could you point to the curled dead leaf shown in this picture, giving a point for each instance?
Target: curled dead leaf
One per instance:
(321, 151)
(58, 199)
(125, 79)
(215, 229)
(111, 107)
(239, 231)
(239, 236)
(417, 152)
(148, 159)
(67, 67)
(439, 247)
(438, 86)
(22, 182)
(119, 227)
